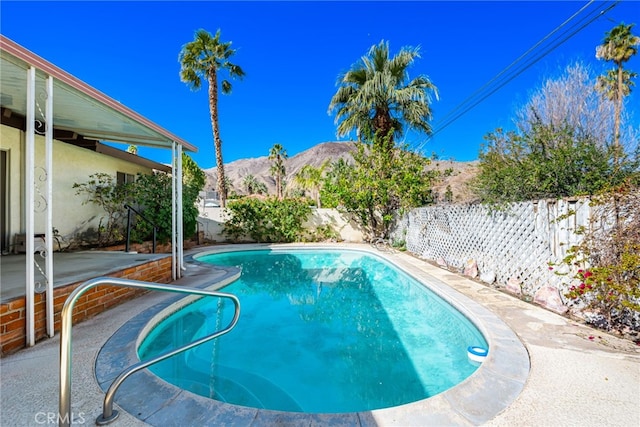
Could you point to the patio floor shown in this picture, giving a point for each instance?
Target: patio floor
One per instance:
(68, 267)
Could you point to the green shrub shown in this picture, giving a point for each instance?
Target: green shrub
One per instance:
(267, 221)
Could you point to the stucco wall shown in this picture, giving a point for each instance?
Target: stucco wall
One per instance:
(211, 221)
(71, 165)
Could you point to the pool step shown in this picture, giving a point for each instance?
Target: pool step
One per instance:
(237, 386)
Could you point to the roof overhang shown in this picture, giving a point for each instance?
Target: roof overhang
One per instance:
(77, 107)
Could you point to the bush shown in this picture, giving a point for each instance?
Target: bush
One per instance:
(151, 195)
(102, 190)
(266, 221)
(605, 284)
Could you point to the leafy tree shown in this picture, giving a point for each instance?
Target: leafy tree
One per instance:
(193, 181)
(618, 46)
(310, 178)
(202, 59)
(380, 183)
(192, 175)
(558, 150)
(278, 154)
(569, 100)
(549, 163)
(337, 176)
(376, 96)
(152, 195)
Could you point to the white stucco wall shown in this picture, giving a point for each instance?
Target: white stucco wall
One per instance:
(212, 220)
(339, 222)
(71, 164)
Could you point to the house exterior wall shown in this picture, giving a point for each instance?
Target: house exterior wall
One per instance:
(72, 216)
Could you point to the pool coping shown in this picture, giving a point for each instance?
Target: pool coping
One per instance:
(487, 392)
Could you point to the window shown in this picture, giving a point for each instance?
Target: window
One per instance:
(125, 178)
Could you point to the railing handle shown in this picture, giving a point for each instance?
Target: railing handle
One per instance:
(155, 227)
(65, 414)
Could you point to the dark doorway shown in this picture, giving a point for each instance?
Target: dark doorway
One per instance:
(4, 176)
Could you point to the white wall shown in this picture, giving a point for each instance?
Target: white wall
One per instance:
(71, 164)
(212, 220)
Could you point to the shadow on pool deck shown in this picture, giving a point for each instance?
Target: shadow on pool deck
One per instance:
(554, 379)
(68, 267)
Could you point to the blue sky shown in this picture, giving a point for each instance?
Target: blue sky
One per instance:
(293, 53)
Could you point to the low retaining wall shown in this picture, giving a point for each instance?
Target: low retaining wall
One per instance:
(94, 301)
(211, 224)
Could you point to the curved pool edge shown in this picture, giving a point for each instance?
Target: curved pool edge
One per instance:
(482, 396)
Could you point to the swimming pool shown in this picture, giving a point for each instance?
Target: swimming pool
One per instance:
(321, 331)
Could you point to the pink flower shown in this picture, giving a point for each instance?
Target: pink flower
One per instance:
(588, 274)
(582, 286)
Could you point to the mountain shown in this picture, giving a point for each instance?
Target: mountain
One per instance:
(455, 174)
(237, 170)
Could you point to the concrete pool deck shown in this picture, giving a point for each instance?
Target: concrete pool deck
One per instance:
(573, 380)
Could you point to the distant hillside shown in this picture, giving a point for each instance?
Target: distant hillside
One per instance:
(259, 167)
(458, 179)
(460, 172)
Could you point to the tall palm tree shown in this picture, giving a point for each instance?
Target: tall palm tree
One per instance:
(200, 60)
(278, 154)
(376, 96)
(618, 46)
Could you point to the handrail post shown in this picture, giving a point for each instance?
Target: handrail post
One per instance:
(126, 247)
(65, 414)
(155, 227)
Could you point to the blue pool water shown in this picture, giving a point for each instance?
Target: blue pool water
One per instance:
(320, 331)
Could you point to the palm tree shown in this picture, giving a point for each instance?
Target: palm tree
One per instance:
(261, 188)
(376, 97)
(310, 177)
(278, 154)
(250, 184)
(618, 46)
(200, 60)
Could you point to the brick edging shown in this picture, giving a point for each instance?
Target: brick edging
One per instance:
(92, 302)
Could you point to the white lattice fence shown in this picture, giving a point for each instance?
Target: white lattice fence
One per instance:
(517, 243)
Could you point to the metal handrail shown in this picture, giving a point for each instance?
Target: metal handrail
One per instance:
(108, 415)
(155, 227)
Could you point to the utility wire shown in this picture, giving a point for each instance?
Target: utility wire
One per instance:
(514, 63)
(452, 116)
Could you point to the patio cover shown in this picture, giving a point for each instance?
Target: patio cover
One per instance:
(50, 98)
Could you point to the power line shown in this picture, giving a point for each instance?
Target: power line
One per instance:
(514, 63)
(507, 75)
